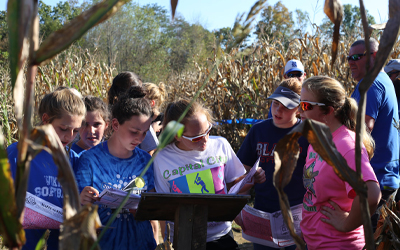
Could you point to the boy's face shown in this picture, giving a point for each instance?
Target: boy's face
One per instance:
(282, 116)
(66, 127)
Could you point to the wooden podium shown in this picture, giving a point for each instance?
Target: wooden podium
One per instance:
(190, 213)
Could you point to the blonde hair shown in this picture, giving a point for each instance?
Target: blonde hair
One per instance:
(331, 92)
(60, 101)
(175, 109)
(155, 93)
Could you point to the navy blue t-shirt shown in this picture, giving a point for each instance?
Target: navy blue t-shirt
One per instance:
(261, 142)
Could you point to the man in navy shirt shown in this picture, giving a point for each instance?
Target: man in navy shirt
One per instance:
(381, 112)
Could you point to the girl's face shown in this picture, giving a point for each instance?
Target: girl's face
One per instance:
(282, 116)
(92, 130)
(132, 132)
(315, 113)
(66, 127)
(196, 125)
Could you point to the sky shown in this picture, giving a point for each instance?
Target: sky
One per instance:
(216, 14)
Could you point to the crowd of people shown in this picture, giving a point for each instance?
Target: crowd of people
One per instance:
(117, 139)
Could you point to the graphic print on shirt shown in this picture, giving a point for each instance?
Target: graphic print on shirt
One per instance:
(265, 151)
(52, 188)
(208, 181)
(308, 181)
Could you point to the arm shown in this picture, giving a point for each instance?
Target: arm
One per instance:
(348, 221)
(369, 122)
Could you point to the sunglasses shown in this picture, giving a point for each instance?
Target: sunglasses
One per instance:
(356, 57)
(290, 75)
(391, 73)
(305, 105)
(199, 137)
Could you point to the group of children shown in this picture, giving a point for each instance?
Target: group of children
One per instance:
(330, 205)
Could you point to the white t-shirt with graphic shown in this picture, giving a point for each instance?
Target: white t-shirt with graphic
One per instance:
(207, 172)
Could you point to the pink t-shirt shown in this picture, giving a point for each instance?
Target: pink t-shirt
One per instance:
(322, 185)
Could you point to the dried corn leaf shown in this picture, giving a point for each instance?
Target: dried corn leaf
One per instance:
(334, 10)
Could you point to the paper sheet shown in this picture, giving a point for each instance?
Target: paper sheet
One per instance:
(246, 180)
(112, 198)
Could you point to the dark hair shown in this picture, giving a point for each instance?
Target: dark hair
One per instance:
(93, 103)
(121, 83)
(130, 104)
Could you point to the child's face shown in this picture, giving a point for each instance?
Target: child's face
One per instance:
(315, 113)
(92, 130)
(196, 125)
(66, 127)
(282, 116)
(132, 132)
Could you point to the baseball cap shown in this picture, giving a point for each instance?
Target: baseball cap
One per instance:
(294, 65)
(287, 97)
(392, 65)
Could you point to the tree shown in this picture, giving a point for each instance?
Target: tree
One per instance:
(276, 23)
(351, 26)
(301, 21)
(53, 18)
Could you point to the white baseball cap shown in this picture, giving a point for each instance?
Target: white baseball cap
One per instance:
(294, 65)
(392, 65)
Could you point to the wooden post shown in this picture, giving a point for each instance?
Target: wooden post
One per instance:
(190, 227)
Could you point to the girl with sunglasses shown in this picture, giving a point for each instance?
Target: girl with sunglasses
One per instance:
(261, 141)
(331, 209)
(199, 163)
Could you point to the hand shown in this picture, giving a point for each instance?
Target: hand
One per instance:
(336, 216)
(259, 176)
(239, 220)
(89, 195)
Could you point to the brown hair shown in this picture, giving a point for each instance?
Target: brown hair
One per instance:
(96, 104)
(175, 109)
(293, 84)
(120, 85)
(60, 101)
(331, 92)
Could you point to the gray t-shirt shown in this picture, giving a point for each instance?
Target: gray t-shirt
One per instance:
(150, 142)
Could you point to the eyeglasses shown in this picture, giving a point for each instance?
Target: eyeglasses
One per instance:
(199, 137)
(305, 105)
(290, 75)
(356, 57)
(391, 73)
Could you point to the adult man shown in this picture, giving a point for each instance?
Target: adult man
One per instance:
(380, 114)
(393, 71)
(293, 69)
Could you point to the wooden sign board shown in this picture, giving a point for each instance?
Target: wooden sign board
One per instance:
(162, 206)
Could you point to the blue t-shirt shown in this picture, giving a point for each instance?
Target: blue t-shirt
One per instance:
(42, 183)
(382, 106)
(261, 142)
(99, 169)
(77, 149)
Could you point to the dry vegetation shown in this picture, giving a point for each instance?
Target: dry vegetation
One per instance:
(238, 89)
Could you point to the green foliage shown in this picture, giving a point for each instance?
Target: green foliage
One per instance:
(276, 23)
(53, 18)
